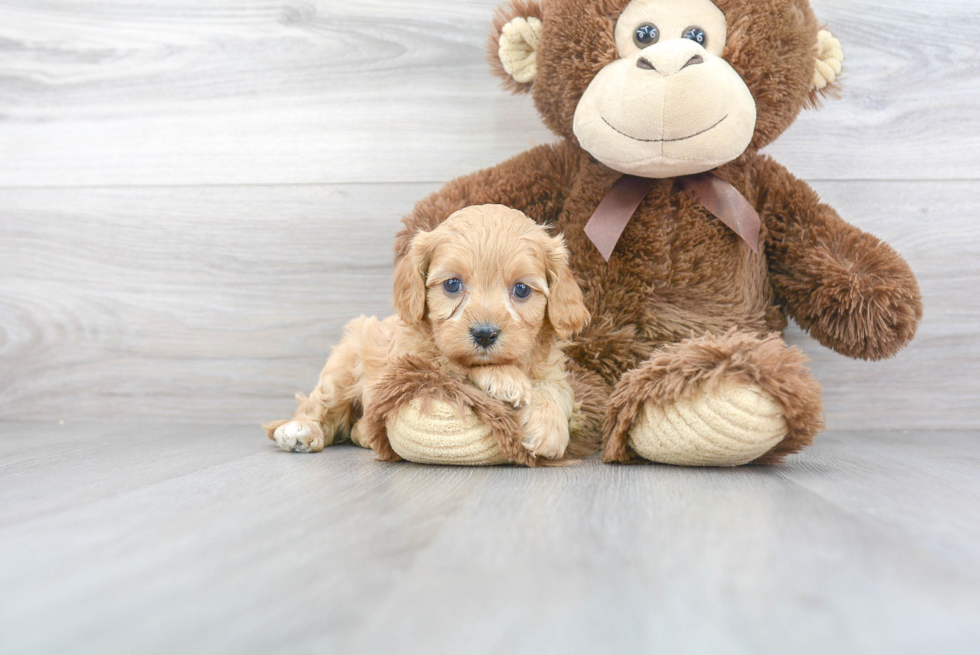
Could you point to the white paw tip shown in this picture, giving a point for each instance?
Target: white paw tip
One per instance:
(290, 436)
(296, 430)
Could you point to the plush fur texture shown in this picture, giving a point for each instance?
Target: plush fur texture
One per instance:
(517, 383)
(677, 271)
(413, 377)
(674, 107)
(679, 370)
(772, 44)
(503, 15)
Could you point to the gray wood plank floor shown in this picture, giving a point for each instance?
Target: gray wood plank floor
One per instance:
(121, 538)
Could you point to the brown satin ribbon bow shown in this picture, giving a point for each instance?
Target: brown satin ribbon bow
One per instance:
(718, 196)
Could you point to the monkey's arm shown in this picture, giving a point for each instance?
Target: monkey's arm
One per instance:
(533, 182)
(851, 291)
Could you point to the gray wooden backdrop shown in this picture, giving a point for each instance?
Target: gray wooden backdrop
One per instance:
(196, 195)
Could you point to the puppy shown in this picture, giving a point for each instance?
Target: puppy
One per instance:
(487, 293)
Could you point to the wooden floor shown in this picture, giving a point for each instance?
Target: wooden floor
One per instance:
(125, 538)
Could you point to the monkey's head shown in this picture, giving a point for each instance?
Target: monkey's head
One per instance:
(663, 88)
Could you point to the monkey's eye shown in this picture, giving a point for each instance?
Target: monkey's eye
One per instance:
(521, 290)
(697, 35)
(452, 286)
(646, 34)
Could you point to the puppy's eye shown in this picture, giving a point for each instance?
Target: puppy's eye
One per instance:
(452, 286)
(521, 290)
(697, 35)
(646, 34)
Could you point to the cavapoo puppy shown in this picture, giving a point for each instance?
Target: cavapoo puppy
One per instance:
(488, 294)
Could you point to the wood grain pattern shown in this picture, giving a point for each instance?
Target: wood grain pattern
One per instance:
(217, 304)
(265, 551)
(260, 92)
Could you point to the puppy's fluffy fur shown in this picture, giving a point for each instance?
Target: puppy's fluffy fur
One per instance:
(490, 250)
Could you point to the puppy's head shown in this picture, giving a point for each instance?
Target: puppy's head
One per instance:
(491, 284)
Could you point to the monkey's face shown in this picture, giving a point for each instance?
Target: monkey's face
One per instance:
(661, 88)
(669, 105)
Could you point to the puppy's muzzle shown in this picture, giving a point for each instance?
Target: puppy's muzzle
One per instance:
(484, 334)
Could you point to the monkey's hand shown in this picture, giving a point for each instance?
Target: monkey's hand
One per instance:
(857, 296)
(851, 291)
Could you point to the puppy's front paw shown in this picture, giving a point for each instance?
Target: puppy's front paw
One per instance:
(545, 430)
(299, 437)
(507, 384)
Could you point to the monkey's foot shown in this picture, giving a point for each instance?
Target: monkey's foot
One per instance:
(714, 401)
(442, 433)
(733, 425)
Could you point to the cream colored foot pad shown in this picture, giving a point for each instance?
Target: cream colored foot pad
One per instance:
(442, 436)
(733, 426)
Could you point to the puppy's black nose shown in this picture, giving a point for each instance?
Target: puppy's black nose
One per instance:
(485, 334)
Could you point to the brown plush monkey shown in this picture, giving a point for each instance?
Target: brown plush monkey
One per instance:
(663, 105)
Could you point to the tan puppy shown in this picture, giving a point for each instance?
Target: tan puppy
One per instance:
(487, 292)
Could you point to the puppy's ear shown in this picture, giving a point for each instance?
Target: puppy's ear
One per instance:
(566, 307)
(408, 295)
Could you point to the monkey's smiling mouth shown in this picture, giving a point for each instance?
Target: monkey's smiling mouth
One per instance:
(683, 138)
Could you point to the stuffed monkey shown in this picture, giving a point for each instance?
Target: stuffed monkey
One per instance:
(690, 246)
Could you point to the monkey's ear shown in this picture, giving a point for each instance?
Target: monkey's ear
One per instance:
(512, 49)
(408, 293)
(828, 65)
